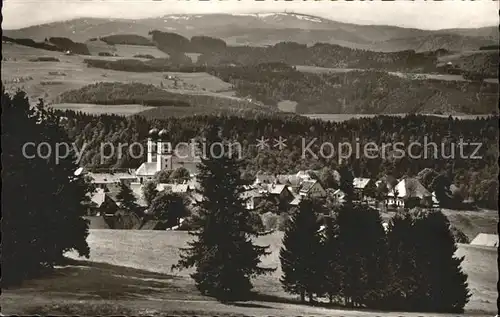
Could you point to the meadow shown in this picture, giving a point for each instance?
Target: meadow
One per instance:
(123, 110)
(129, 273)
(72, 73)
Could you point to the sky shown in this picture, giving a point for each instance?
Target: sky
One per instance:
(415, 14)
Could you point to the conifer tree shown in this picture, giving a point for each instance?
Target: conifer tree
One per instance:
(127, 200)
(169, 207)
(362, 253)
(43, 202)
(331, 259)
(425, 269)
(347, 183)
(222, 252)
(300, 254)
(149, 191)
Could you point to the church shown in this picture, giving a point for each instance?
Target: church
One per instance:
(160, 156)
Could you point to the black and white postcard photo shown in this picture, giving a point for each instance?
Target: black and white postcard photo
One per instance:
(245, 158)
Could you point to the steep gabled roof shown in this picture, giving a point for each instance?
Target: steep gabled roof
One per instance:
(307, 186)
(146, 169)
(360, 183)
(411, 187)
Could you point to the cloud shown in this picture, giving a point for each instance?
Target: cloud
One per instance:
(416, 14)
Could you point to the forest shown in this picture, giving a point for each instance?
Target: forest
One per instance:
(363, 92)
(476, 178)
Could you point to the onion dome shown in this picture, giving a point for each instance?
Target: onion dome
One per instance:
(153, 133)
(163, 134)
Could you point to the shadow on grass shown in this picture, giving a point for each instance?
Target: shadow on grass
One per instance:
(91, 280)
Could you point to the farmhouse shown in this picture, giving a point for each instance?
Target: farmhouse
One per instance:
(361, 186)
(312, 188)
(409, 192)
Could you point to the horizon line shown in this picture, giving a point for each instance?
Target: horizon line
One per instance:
(244, 14)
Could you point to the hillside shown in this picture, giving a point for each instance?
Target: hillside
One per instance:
(129, 273)
(270, 28)
(360, 92)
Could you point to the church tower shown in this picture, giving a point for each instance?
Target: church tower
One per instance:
(164, 152)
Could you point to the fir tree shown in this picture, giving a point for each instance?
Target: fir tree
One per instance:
(149, 191)
(331, 259)
(222, 252)
(362, 249)
(347, 183)
(43, 202)
(425, 264)
(127, 200)
(168, 207)
(300, 254)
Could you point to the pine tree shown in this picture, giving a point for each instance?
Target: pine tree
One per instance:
(363, 253)
(149, 191)
(168, 207)
(347, 183)
(331, 258)
(222, 252)
(127, 200)
(300, 254)
(43, 202)
(426, 271)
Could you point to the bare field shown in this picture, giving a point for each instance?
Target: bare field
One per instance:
(287, 106)
(130, 50)
(73, 73)
(123, 110)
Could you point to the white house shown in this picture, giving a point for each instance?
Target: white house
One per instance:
(312, 188)
(409, 188)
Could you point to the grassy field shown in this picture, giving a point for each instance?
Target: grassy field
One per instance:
(72, 73)
(129, 273)
(123, 110)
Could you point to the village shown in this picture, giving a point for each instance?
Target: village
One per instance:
(282, 189)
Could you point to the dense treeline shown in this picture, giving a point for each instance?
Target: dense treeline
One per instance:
(58, 44)
(359, 91)
(364, 92)
(167, 103)
(43, 202)
(175, 63)
(127, 39)
(356, 262)
(476, 178)
(325, 55)
(66, 44)
(106, 93)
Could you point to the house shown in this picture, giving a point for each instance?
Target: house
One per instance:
(281, 192)
(306, 175)
(146, 171)
(296, 201)
(253, 197)
(101, 203)
(361, 185)
(264, 178)
(338, 197)
(409, 193)
(293, 181)
(103, 178)
(312, 188)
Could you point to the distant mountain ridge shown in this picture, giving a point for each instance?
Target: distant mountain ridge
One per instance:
(269, 28)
